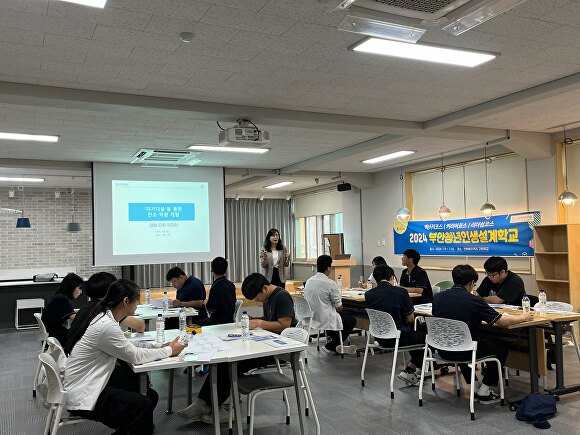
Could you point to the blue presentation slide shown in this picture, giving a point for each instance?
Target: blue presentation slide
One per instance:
(160, 216)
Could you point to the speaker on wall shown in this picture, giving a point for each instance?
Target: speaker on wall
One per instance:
(343, 187)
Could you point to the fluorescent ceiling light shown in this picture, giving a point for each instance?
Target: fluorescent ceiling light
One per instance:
(380, 29)
(22, 179)
(92, 3)
(480, 15)
(388, 157)
(30, 137)
(279, 185)
(429, 53)
(228, 149)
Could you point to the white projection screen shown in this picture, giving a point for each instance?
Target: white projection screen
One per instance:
(157, 215)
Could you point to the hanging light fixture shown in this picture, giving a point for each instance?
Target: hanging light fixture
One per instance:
(443, 211)
(488, 208)
(403, 214)
(566, 198)
(22, 222)
(72, 226)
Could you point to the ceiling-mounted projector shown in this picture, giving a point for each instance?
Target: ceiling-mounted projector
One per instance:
(245, 133)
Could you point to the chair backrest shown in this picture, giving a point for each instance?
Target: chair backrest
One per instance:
(436, 289)
(382, 325)
(57, 352)
(533, 300)
(444, 285)
(558, 306)
(302, 309)
(449, 335)
(237, 311)
(56, 393)
(297, 334)
(43, 332)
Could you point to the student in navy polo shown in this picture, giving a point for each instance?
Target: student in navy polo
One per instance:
(190, 293)
(414, 279)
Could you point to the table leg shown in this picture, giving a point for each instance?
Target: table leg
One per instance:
(559, 354)
(234, 398)
(533, 355)
(170, 392)
(294, 357)
(214, 399)
(189, 385)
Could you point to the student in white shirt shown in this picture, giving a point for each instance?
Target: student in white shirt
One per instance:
(99, 384)
(323, 295)
(376, 261)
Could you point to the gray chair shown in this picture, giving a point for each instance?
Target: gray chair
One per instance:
(238, 311)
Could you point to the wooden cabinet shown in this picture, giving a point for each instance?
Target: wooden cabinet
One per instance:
(557, 258)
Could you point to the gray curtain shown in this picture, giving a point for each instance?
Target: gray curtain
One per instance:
(247, 222)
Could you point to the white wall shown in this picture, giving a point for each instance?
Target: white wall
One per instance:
(381, 202)
(351, 221)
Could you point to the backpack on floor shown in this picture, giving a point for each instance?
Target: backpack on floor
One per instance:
(536, 408)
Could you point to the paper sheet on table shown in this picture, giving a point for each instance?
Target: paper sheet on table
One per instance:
(201, 357)
(423, 307)
(505, 306)
(201, 343)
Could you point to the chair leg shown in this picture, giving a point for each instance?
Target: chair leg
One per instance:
(48, 420)
(35, 379)
(574, 340)
(545, 383)
(251, 404)
(318, 341)
(507, 376)
(472, 389)
(425, 356)
(394, 367)
(457, 388)
(341, 344)
(501, 389)
(362, 370)
(56, 420)
(249, 416)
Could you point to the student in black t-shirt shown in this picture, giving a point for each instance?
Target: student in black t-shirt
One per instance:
(396, 301)
(59, 310)
(278, 315)
(414, 279)
(501, 286)
(461, 302)
(221, 302)
(190, 293)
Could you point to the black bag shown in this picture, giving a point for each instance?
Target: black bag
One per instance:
(44, 277)
(535, 408)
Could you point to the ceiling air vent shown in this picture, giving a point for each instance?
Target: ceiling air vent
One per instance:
(153, 157)
(422, 10)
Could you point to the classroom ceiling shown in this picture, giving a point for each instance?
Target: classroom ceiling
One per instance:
(115, 80)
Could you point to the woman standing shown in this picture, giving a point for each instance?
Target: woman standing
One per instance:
(59, 309)
(274, 259)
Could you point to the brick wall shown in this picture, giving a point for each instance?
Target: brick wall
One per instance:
(47, 243)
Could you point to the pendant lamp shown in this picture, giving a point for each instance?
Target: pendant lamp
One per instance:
(443, 211)
(403, 214)
(72, 226)
(488, 208)
(567, 198)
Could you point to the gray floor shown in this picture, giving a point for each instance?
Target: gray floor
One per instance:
(343, 405)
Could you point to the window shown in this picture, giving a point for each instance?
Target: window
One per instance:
(309, 230)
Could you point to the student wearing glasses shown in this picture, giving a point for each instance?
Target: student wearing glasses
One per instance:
(500, 286)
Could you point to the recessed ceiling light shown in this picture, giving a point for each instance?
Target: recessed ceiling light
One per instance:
(29, 137)
(388, 157)
(279, 185)
(228, 149)
(92, 3)
(429, 53)
(22, 179)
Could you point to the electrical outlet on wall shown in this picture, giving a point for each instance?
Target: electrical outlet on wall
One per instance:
(379, 242)
(383, 242)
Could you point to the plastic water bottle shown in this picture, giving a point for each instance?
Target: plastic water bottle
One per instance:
(147, 296)
(542, 299)
(526, 304)
(369, 284)
(160, 328)
(360, 282)
(245, 326)
(182, 319)
(165, 302)
(339, 282)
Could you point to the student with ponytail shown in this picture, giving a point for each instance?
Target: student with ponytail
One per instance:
(99, 383)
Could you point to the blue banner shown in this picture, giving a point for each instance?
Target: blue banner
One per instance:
(146, 212)
(509, 235)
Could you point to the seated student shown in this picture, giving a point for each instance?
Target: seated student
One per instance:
(278, 315)
(376, 261)
(460, 302)
(323, 295)
(96, 288)
(500, 286)
(97, 387)
(59, 310)
(414, 279)
(396, 301)
(190, 293)
(221, 302)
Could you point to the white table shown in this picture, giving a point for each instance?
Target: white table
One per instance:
(239, 351)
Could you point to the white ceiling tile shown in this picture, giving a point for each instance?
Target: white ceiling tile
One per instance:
(516, 26)
(143, 39)
(244, 19)
(180, 9)
(162, 56)
(38, 7)
(538, 9)
(565, 14)
(272, 43)
(203, 33)
(154, 78)
(239, 66)
(99, 60)
(249, 5)
(41, 23)
(90, 46)
(222, 51)
(308, 12)
(17, 78)
(19, 36)
(283, 59)
(324, 34)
